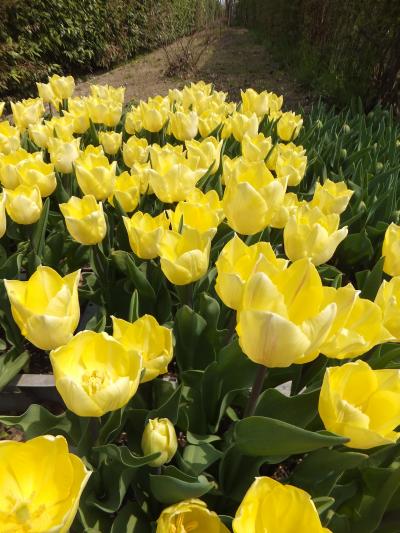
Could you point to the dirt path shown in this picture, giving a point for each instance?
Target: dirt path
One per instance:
(233, 60)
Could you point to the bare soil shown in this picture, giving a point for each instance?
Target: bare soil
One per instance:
(232, 60)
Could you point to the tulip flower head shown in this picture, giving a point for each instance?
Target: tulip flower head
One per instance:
(95, 374)
(159, 437)
(84, 218)
(190, 515)
(41, 485)
(275, 328)
(270, 506)
(391, 250)
(361, 404)
(147, 337)
(184, 256)
(46, 307)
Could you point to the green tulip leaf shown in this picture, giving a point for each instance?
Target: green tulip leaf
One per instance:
(261, 436)
(39, 421)
(174, 486)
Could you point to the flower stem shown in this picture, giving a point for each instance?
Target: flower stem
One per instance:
(255, 391)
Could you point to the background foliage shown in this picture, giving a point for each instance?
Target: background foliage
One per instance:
(40, 37)
(342, 48)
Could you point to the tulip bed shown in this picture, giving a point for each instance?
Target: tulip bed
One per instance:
(178, 261)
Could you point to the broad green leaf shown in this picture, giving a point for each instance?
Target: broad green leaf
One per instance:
(299, 410)
(174, 486)
(123, 455)
(169, 409)
(261, 436)
(10, 364)
(39, 421)
(131, 519)
(199, 457)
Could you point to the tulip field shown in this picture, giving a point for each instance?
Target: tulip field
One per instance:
(175, 262)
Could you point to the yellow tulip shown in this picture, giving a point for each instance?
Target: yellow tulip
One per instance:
(126, 191)
(275, 104)
(63, 86)
(35, 172)
(197, 98)
(154, 114)
(46, 93)
(133, 121)
(46, 307)
(152, 341)
(3, 218)
(84, 218)
(135, 151)
(104, 111)
(184, 126)
(145, 233)
(275, 328)
(41, 485)
(209, 121)
(361, 404)
(332, 197)
(310, 233)
(78, 111)
(388, 299)
(9, 166)
(251, 198)
(94, 173)
(24, 204)
(391, 250)
(159, 437)
(205, 153)
(108, 92)
(111, 141)
(239, 125)
(63, 154)
(287, 209)
(27, 112)
(253, 102)
(289, 126)
(256, 148)
(194, 216)
(95, 374)
(236, 167)
(237, 262)
(62, 127)
(273, 507)
(190, 515)
(40, 133)
(141, 172)
(9, 137)
(358, 325)
(209, 199)
(184, 256)
(2, 105)
(291, 164)
(172, 179)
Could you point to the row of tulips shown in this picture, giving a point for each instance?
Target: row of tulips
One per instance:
(184, 218)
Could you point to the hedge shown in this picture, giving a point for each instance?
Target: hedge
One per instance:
(342, 48)
(40, 37)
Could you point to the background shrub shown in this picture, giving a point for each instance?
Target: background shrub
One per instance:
(342, 48)
(40, 37)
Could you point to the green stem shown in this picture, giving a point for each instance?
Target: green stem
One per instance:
(255, 391)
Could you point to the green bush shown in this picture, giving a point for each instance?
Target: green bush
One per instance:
(344, 49)
(40, 37)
